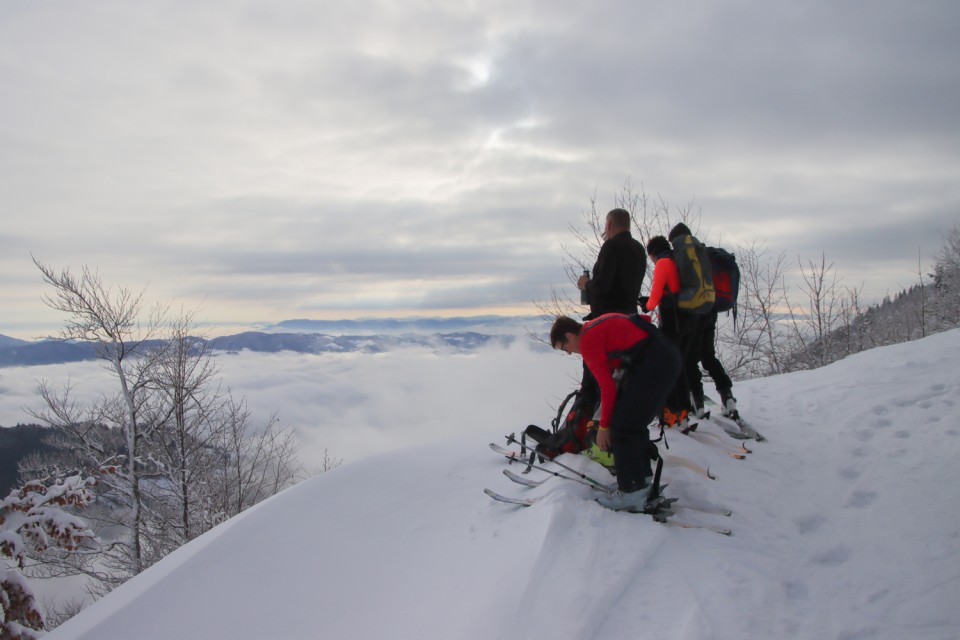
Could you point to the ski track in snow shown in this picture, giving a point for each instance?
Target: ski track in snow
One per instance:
(846, 527)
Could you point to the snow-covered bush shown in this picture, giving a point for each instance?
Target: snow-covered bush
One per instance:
(34, 520)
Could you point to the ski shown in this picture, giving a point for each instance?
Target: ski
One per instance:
(661, 511)
(717, 511)
(513, 454)
(746, 430)
(733, 424)
(715, 441)
(689, 525)
(499, 497)
(527, 482)
(669, 505)
(580, 477)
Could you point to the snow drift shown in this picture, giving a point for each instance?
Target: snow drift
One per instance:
(846, 525)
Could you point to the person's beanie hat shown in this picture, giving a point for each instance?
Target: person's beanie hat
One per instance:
(679, 230)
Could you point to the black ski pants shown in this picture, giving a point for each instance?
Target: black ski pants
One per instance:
(704, 352)
(640, 399)
(680, 328)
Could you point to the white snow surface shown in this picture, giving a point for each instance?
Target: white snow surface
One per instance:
(846, 526)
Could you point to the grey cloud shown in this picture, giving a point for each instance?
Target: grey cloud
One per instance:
(258, 150)
(736, 70)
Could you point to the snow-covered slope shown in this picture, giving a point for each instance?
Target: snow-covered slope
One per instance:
(846, 525)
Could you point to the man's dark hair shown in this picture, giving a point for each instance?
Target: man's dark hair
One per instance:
(658, 245)
(620, 218)
(680, 229)
(561, 327)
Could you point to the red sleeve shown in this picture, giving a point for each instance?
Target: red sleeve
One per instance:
(595, 357)
(666, 279)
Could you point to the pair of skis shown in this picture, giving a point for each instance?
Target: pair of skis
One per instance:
(661, 509)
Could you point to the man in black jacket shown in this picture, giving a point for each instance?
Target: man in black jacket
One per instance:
(615, 285)
(619, 270)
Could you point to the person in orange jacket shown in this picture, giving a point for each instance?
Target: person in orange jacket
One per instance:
(650, 365)
(678, 326)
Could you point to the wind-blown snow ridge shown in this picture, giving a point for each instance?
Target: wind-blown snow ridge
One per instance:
(845, 526)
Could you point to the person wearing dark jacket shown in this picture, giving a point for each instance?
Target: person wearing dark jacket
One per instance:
(615, 287)
(649, 365)
(704, 352)
(619, 270)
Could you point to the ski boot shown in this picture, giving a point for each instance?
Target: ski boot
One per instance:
(634, 501)
(698, 408)
(729, 404)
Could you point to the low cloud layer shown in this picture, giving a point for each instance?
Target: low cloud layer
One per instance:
(351, 406)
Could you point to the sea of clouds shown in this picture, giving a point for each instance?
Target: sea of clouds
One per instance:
(352, 405)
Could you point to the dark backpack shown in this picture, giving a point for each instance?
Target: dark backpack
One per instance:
(696, 279)
(726, 280)
(573, 435)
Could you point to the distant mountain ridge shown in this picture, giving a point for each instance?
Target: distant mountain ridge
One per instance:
(7, 341)
(311, 336)
(406, 325)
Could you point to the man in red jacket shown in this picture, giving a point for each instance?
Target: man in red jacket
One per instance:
(616, 348)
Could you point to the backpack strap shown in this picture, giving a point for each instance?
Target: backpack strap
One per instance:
(635, 353)
(555, 423)
(655, 488)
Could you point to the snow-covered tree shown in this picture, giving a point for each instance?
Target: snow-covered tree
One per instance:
(947, 279)
(183, 454)
(111, 319)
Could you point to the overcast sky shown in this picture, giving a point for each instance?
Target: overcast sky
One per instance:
(293, 159)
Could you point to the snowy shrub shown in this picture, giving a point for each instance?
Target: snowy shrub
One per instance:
(32, 521)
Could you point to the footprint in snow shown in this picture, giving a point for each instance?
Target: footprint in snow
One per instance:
(794, 589)
(834, 557)
(860, 499)
(810, 524)
(850, 473)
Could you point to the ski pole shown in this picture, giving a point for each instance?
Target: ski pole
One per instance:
(583, 476)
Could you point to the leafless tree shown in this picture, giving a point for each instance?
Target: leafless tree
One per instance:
(185, 401)
(813, 328)
(757, 344)
(111, 320)
(180, 454)
(255, 462)
(852, 313)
